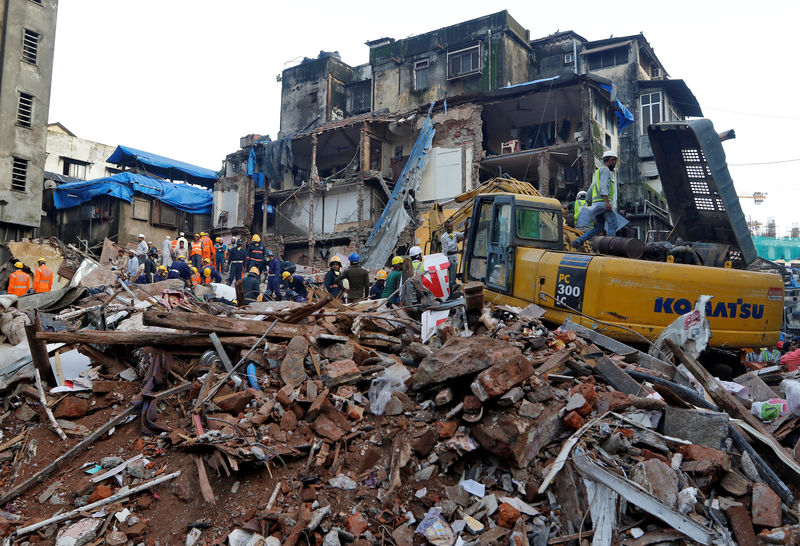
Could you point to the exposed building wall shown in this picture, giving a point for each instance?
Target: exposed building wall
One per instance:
(62, 147)
(335, 211)
(234, 199)
(558, 57)
(20, 208)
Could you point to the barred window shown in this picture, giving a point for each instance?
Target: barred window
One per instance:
(30, 46)
(25, 110)
(19, 174)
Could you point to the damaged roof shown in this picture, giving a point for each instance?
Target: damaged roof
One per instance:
(127, 157)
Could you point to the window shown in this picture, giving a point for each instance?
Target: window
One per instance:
(536, 224)
(30, 46)
(165, 215)
(480, 250)
(312, 98)
(25, 110)
(421, 71)
(651, 109)
(464, 62)
(75, 168)
(360, 97)
(37, 2)
(569, 58)
(610, 57)
(19, 174)
(141, 209)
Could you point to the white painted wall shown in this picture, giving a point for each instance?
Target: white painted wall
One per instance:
(442, 177)
(61, 144)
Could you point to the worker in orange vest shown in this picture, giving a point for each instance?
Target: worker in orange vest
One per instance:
(42, 277)
(208, 247)
(19, 282)
(196, 252)
(195, 276)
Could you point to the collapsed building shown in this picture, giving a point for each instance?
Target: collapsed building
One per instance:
(542, 111)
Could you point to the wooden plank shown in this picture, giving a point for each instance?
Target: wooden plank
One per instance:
(109, 337)
(195, 322)
(41, 360)
(221, 351)
(205, 485)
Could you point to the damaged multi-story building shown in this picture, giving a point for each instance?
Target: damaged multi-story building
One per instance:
(542, 111)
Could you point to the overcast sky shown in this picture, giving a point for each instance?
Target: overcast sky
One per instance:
(186, 79)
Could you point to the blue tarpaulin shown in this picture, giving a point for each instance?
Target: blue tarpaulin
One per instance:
(624, 116)
(165, 167)
(123, 185)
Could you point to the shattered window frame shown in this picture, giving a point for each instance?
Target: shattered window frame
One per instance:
(422, 68)
(608, 58)
(473, 52)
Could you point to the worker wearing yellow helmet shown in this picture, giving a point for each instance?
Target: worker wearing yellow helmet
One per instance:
(332, 277)
(256, 255)
(295, 287)
(196, 276)
(251, 285)
(42, 277)
(19, 282)
(210, 274)
(161, 272)
(377, 287)
(392, 286)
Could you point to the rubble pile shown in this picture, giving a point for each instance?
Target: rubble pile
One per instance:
(189, 421)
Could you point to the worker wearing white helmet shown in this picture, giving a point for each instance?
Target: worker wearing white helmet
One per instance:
(417, 264)
(601, 208)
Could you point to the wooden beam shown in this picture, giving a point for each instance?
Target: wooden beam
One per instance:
(41, 360)
(110, 337)
(195, 322)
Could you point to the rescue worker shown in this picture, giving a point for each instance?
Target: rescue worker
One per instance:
(580, 203)
(149, 273)
(274, 276)
(141, 248)
(332, 277)
(295, 287)
(42, 277)
(19, 282)
(377, 287)
(601, 203)
(121, 261)
(393, 282)
(417, 264)
(357, 277)
(166, 251)
(236, 258)
(450, 240)
(211, 275)
(196, 276)
(251, 285)
(196, 252)
(180, 270)
(162, 273)
(220, 254)
(208, 247)
(256, 255)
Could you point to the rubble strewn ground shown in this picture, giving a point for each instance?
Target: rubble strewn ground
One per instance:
(325, 423)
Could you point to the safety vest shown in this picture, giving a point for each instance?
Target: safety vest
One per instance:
(207, 280)
(174, 245)
(207, 247)
(579, 204)
(418, 266)
(197, 248)
(196, 278)
(43, 279)
(18, 283)
(594, 190)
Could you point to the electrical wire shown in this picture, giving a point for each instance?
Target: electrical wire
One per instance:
(763, 163)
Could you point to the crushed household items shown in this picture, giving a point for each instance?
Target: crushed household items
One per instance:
(144, 414)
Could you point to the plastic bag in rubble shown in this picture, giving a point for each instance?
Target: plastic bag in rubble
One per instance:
(689, 331)
(436, 529)
(381, 389)
(792, 390)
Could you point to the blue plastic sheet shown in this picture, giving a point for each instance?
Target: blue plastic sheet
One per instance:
(125, 156)
(184, 197)
(624, 116)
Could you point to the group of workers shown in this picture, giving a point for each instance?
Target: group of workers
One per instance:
(19, 283)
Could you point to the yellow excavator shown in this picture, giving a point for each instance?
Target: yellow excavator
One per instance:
(518, 245)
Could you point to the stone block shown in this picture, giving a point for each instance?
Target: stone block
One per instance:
(705, 428)
(766, 506)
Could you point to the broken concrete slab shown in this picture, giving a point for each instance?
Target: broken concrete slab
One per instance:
(708, 429)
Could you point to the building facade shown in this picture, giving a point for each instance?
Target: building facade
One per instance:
(27, 38)
(75, 157)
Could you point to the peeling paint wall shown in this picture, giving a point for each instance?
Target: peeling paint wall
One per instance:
(234, 199)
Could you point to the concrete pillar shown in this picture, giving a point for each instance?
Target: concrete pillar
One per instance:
(544, 173)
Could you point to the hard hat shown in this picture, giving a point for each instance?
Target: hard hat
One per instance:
(162, 268)
(194, 269)
(219, 240)
(610, 153)
(181, 234)
(354, 258)
(397, 260)
(19, 265)
(286, 275)
(335, 259)
(41, 261)
(207, 272)
(268, 253)
(206, 260)
(203, 234)
(197, 235)
(141, 236)
(180, 257)
(414, 251)
(581, 195)
(257, 237)
(380, 275)
(254, 269)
